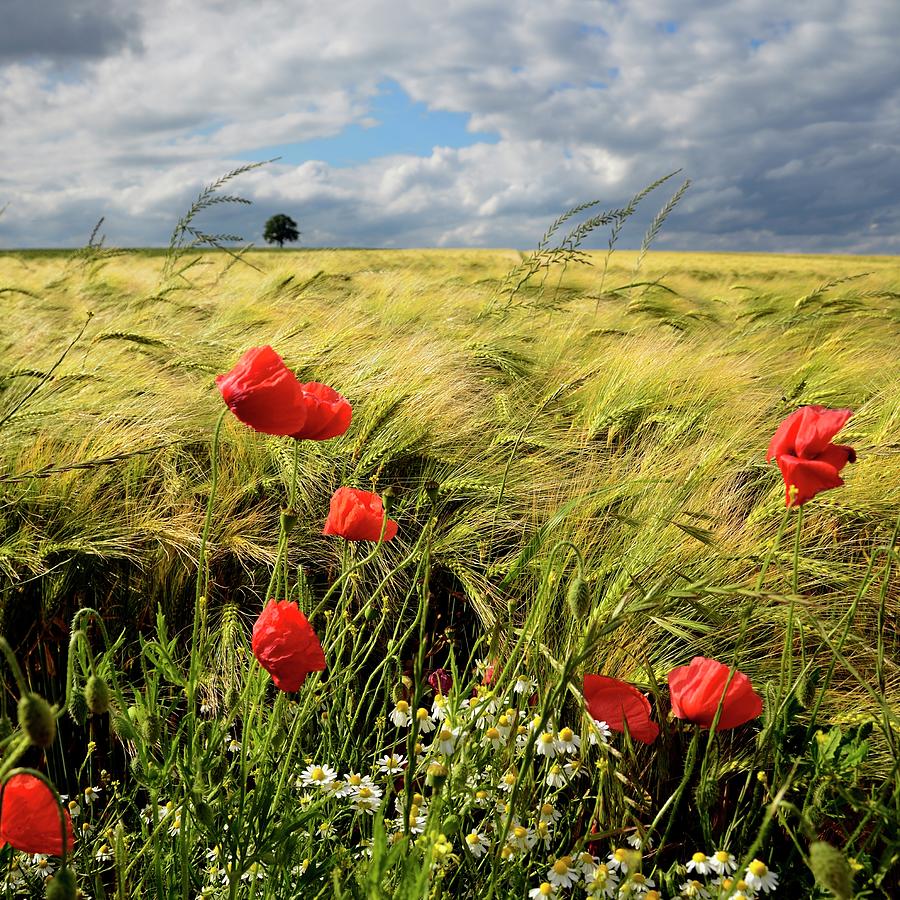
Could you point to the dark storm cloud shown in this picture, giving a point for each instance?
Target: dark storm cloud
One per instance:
(62, 30)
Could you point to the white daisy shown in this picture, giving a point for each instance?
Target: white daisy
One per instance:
(621, 860)
(42, 864)
(605, 883)
(425, 723)
(636, 885)
(400, 714)
(439, 708)
(760, 877)
(493, 738)
(507, 782)
(567, 741)
(477, 843)
(524, 685)
(352, 783)
(445, 740)
(392, 764)
(723, 862)
(91, 794)
(549, 813)
(520, 838)
(546, 745)
(318, 776)
(367, 799)
(573, 767)
(554, 777)
(563, 873)
(545, 889)
(700, 863)
(694, 889)
(598, 732)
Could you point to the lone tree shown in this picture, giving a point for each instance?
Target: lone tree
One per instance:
(279, 229)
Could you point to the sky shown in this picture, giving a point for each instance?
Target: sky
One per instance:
(409, 123)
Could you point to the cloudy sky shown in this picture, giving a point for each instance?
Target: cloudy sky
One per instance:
(458, 123)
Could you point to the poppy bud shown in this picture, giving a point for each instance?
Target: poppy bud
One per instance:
(6, 727)
(288, 520)
(831, 869)
(78, 708)
(36, 719)
(578, 598)
(62, 885)
(450, 825)
(124, 728)
(432, 491)
(205, 813)
(231, 698)
(389, 497)
(96, 693)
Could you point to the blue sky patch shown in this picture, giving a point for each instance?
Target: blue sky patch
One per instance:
(405, 126)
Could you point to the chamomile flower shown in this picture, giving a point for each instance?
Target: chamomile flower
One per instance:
(367, 799)
(567, 741)
(521, 838)
(635, 840)
(103, 853)
(493, 738)
(549, 813)
(700, 863)
(74, 809)
(544, 832)
(42, 864)
(573, 767)
(426, 725)
(234, 746)
(605, 883)
(524, 685)
(481, 797)
(318, 776)
(392, 764)
(546, 745)
(554, 777)
(504, 726)
(477, 843)
(254, 872)
(400, 714)
(439, 708)
(445, 740)
(91, 794)
(352, 783)
(588, 864)
(636, 885)
(563, 873)
(760, 877)
(598, 732)
(694, 889)
(621, 860)
(723, 863)
(175, 827)
(507, 782)
(544, 889)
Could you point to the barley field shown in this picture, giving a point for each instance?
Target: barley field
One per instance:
(577, 469)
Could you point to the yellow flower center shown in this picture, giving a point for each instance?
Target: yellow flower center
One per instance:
(355, 780)
(504, 721)
(509, 779)
(546, 889)
(493, 734)
(519, 831)
(546, 738)
(481, 795)
(547, 809)
(722, 856)
(418, 799)
(365, 793)
(758, 868)
(317, 774)
(421, 713)
(506, 852)
(637, 878)
(699, 857)
(472, 839)
(620, 854)
(566, 735)
(402, 706)
(561, 867)
(446, 734)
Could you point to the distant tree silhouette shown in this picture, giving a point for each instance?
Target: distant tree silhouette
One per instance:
(280, 228)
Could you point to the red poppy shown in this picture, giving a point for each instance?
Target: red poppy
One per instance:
(619, 703)
(264, 393)
(696, 691)
(29, 819)
(803, 450)
(286, 645)
(357, 516)
(328, 414)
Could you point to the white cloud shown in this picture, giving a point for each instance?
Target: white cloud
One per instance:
(786, 117)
